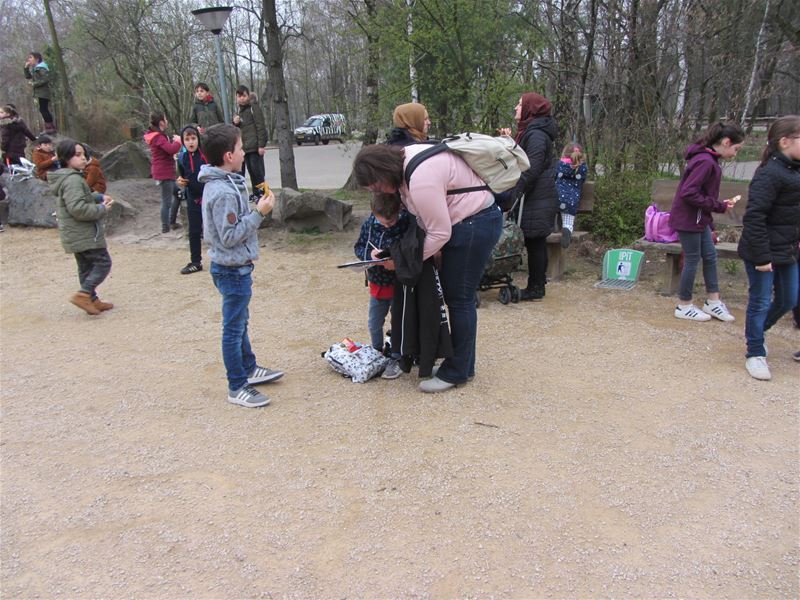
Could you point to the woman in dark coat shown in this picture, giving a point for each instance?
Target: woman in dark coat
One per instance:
(536, 133)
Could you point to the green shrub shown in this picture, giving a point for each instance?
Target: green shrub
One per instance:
(620, 201)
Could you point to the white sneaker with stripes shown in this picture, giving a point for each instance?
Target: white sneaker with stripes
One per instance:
(718, 310)
(248, 397)
(691, 313)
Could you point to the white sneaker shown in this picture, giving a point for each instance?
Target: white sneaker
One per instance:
(719, 310)
(691, 313)
(758, 368)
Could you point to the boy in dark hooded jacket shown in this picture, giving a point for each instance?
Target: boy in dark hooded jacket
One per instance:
(189, 163)
(250, 121)
(205, 111)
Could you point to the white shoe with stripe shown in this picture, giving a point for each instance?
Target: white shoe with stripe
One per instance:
(719, 311)
(691, 313)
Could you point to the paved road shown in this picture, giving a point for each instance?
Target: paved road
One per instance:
(318, 167)
(328, 167)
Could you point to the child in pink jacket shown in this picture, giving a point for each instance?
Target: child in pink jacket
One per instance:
(162, 167)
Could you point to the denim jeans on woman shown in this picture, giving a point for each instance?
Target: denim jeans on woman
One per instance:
(167, 187)
(697, 246)
(764, 309)
(463, 262)
(235, 284)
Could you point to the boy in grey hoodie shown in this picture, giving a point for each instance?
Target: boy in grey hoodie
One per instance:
(230, 229)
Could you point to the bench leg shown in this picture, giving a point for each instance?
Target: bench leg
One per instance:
(672, 274)
(555, 262)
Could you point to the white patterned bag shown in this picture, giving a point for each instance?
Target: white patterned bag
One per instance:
(361, 365)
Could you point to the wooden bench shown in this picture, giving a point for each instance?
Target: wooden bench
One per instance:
(555, 253)
(662, 194)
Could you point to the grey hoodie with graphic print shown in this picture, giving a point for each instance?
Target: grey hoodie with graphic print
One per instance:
(230, 227)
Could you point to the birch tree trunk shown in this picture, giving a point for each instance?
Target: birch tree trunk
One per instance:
(751, 89)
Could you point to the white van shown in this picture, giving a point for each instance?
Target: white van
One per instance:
(321, 128)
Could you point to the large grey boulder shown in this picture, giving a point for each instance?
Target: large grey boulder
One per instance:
(304, 211)
(31, 203)
(127, 161)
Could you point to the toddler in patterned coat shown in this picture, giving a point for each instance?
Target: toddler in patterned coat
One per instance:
(569, 182)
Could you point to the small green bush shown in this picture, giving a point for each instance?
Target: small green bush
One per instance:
(620, 201)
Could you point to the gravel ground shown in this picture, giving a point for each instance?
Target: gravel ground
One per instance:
(604, 449)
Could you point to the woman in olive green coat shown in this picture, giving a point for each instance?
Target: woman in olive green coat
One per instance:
(37, 71)
(80, 214)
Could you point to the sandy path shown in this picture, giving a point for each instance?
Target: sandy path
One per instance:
(604, 448)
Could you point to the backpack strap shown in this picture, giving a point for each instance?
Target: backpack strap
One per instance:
(426, 154)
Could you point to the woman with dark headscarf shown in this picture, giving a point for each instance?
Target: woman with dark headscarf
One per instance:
(411, 124)
(536, 132)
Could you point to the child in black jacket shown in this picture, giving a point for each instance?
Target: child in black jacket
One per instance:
(189, 163)
(383, 227)
(770, 235)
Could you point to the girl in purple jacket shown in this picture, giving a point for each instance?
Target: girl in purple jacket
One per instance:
(162, 165)
(696, 198)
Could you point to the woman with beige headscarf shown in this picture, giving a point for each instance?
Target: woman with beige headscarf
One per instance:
(411, 124)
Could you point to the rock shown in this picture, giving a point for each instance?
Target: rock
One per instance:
(308, 210)
(31, 203)
(126, 161)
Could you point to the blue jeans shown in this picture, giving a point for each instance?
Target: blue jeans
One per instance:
(764, 309)
(697, 246)
(378, 309)
(167, 187)
(236, 286)
(463, 261)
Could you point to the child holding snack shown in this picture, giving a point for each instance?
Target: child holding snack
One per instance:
(231, 231)
(44, 157)
(189, 163)
(80, 225)
(695, 200)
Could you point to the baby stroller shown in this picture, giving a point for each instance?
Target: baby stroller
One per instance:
(505, 258)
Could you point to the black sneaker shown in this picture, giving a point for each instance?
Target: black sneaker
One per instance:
(248, 397)
(191, 268)
(176, 226)
(536, 294)
(263, 375)
(566, 237)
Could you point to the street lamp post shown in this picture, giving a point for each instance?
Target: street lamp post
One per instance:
(213, 19)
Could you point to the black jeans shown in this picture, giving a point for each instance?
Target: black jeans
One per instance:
(537, 262)
(194, 213)
(93, 267)
(254, 164)
(44, 103)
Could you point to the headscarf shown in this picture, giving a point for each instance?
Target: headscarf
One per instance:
(411, 116)
(533, 105)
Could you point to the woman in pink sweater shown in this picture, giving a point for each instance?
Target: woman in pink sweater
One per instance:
(162, 166)
(461, 228)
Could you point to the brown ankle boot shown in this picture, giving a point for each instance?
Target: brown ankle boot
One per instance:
(102, 305)
(84, 301)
